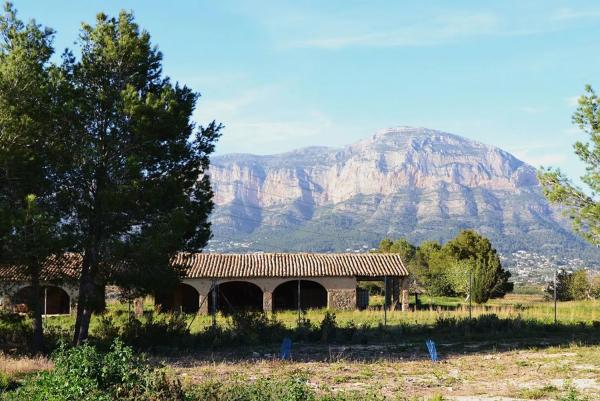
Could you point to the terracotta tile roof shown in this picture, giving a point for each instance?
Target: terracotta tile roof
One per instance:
(65, 267)
(223, 265)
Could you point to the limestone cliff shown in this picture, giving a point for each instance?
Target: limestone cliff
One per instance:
(414, 182)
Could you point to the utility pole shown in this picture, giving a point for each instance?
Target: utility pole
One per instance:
(555, 319)
(470, 293)
(385, 296)
(214, 303)
(299, 303)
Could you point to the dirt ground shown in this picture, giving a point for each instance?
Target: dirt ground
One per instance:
(466, 372)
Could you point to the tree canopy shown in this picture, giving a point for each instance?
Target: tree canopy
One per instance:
(467, 260)
(580, 205)
(105, 153)
(29, 105)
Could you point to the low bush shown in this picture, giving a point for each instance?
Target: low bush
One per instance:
(294, 388)
(15, 331)
(149, 331)
(247, 328)
(83, 373)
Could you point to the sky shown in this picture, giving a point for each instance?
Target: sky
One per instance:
(286, 74)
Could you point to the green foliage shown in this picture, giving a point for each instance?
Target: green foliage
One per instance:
(5, 382)
(580, 286)
(328, 327)
(563, 284)
(402, 247)
(100, 147)
(467, 261)
(99, 151)
(15, 332)
(134, 143)
(571, 286)
(595, 287)
(583, 209)
(149, 331)
(83, 373)
(572, 394)
(293, 388)
(489, 279)
(252, 327)
(29, 103)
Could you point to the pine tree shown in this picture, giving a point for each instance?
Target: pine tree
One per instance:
(134, 181)
(29, 106)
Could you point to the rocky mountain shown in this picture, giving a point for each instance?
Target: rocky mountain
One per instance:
(413, 182)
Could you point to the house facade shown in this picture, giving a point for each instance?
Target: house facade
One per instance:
(227, 283)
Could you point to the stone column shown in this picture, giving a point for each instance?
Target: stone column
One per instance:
(203, 303)
(405, 290)
(5, 302)
(267, 302)
(138, 306)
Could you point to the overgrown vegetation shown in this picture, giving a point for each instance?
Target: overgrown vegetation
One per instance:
(526, 319)
(577, 285)
(84, 373)
(466, 265)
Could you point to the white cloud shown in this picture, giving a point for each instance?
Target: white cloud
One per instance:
(533, 109)
(567, 14)
(244, 101)
(572, 101)
(439, 30)
(573, 131)
(259, 120)
(538, 159)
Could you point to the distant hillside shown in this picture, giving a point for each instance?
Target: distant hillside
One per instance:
(414, 182)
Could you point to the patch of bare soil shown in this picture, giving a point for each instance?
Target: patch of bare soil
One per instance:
(404, 370)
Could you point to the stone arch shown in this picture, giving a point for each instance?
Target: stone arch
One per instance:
(235, 296)
(313, 295)
(53, 300)
(184, 298)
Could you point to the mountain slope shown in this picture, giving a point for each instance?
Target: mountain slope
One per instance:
(413, 182)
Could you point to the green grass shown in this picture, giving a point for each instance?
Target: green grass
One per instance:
(521, 318)
(522, 306)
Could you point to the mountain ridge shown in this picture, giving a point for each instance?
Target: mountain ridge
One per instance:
(402, 181)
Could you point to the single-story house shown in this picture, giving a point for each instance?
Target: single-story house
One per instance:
(258, 281)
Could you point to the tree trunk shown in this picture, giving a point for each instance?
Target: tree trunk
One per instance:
(86, 290)
(38, 328)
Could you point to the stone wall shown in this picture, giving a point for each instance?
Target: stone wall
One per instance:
(341, 299)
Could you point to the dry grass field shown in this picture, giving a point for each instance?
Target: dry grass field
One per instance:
(564, 365)
(405, 373)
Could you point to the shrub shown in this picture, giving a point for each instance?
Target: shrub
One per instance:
(156, 330)
(572, 395)
(328, 327)
(294, 388)
(4, 381)
(83, 373)
(15, 331)
(253, 327)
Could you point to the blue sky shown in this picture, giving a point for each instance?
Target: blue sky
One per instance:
(284, 74)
